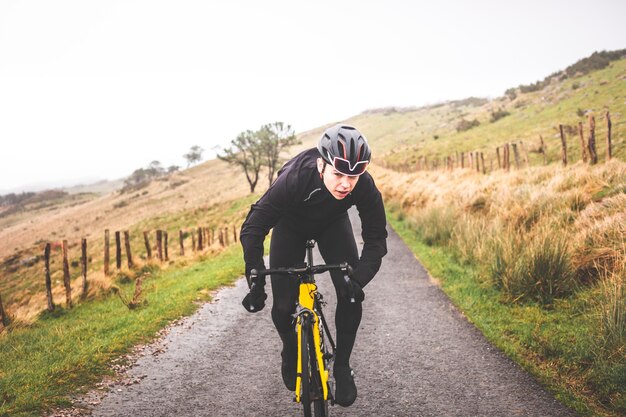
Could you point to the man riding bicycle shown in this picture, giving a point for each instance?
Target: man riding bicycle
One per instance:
(309, 200)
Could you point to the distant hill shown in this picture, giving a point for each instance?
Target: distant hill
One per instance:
(99, 187)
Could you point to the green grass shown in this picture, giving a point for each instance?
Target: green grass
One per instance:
(69, 350)
(556, 345)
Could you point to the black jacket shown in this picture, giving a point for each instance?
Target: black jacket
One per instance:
(298, 197)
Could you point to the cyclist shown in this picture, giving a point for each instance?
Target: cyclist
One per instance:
(309, 200)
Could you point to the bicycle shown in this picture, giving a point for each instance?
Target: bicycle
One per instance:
(314, 385)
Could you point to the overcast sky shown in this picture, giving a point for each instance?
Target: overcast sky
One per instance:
(97, 89)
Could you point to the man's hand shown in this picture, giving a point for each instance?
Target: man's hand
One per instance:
(255, 300)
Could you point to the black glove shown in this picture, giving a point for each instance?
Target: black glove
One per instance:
(352, 291)
(255, 300)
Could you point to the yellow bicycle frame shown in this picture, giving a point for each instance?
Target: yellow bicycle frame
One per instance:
(306, 299)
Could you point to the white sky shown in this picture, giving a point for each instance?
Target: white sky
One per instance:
(97, 89)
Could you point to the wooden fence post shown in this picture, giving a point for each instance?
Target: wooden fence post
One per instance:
(46, 257)
(165, 239)
(543, 150)
(226, 236)
(83, 261)
(118, 250)
(477, 162)
(234, 234)
(507, 159)
(146, 241)
(182, 245)
(200, 246)
(129, 256)
(593, 156)
(193, 241)
(515, 154)
(4, 319)
(563, 145)
(498, 154)
(66, 277)
(212, 235)
(159, 239)
(482, 158)
(608, 137)
(524, 153)
(221, 237)
(583, 146)
(106, 252)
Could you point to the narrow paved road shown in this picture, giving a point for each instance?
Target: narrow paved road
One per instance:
(415, 356)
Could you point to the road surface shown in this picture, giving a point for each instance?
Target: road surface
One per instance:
(415, 356)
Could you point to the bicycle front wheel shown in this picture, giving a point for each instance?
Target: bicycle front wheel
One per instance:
(311, 383)
(305, 376)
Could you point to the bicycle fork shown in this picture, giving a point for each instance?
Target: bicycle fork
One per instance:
(308, 321)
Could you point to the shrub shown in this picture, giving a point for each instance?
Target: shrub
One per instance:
(470, 238)
(595, 61)
(612, 309)
(464, 125)
(434, 226)
(536, 269)
(120, 204)
(498, 114)
(511, 94)
(537, 86)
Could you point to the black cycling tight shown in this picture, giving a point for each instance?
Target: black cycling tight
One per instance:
(336, 244)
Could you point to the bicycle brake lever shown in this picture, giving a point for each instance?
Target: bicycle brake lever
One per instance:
(251, 278)
(350, 289)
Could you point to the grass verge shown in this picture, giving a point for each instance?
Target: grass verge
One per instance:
(552, 344)
(65, 352)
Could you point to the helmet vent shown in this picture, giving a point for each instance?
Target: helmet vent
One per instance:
(352, 150)
(342, 148)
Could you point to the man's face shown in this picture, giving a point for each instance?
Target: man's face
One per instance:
(338, 184)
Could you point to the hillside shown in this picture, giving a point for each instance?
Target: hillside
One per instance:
(401, 136)
(200, 196)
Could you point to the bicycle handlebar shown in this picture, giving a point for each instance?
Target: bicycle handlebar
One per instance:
(313, 270)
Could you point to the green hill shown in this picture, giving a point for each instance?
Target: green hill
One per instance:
(401, 136)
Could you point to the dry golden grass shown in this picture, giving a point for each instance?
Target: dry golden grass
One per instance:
(584, 204)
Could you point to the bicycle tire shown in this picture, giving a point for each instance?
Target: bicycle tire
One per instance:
(305, 377)
(320, 406)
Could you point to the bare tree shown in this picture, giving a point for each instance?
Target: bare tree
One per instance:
(274, 139)
(246, 152)
(194, 155)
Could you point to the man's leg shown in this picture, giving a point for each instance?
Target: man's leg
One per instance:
(286, 250)
(337, 245)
